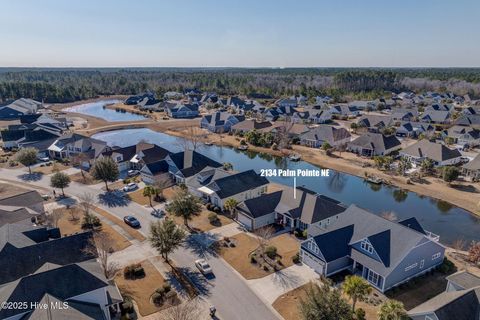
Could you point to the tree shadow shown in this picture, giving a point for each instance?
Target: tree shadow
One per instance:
(66, 201)
(114, 198)
(287, 279)
(203, 244)
(195, 277)
(34, 176)
(465, 188)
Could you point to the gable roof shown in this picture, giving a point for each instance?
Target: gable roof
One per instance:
(474, 164)
(381, 244)
(334, 245)
(259, 206)
(434, 151)
(326, 133)
(23, 199)
(376, 141)
(193, 165)
(464, 279)
(236, 183)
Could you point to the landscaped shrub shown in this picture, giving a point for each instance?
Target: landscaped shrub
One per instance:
(209, 206)
(217, 209)
(304, 233)
(167, 287)
(253, 259)
(160, 290)
(296, 258)
(360, 314)
(266, 268)
(157, 298)
(127, 307)
(170, 295)
(213, 217)
(447, 266)
(133, 271)
(271, 252)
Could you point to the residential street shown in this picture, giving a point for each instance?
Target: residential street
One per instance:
(227, 291)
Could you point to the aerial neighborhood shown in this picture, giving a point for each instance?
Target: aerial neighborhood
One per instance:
(82, 216)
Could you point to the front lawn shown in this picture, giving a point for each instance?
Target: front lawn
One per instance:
(239, 256)
(86, 178)
(142, 289)
(50, 167)
(200, 222)
(139, 198)
(68, 225)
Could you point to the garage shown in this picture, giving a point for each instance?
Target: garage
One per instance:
(313, 262)
(245, 221)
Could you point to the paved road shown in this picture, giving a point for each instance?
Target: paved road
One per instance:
(227, 291)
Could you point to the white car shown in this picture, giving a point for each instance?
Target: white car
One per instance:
(131, 186)
(203, 266)
(132, 173)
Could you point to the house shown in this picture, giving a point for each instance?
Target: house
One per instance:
(375, 123)
(471, 170)
(73, 144)
(136, 99)
(463, 136)
(374, 144)
(287, 102)
(438, 153)
(460, 300)
(29, 199)
(323, 100)
(362, 105)
(157, 173)
(249, 125)
(19, 215)
(316, 137)
(292, 130)
(435, 116)
(301, 117)
(16, 136)
(182, 110)
(414, 129)
(182, 165)
(472, 120)
(439, 107)
(403, 115)
(150, 104)
(383, 252)
(344, 110)
(19, 108)
(319, 117)
(239, 105)
(215, 185)
(271, 114)
(293, 209)
(53, 270)
(220, 122)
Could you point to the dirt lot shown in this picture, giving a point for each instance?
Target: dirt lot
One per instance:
(288, 305)
(142, 289)
(69, 226)
(239, 256)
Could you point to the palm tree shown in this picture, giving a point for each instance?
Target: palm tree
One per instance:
(356, 288)
(231, 205)
(150, 191)
(185, 205)
(392, 310)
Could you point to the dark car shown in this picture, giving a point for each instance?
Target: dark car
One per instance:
(132, 221)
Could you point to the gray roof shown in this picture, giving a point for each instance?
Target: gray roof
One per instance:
(431, 150)
(376, 121)
(435, 116)
(458, 305)
(206, 176)
(464, 279)
(468, 120)
(13, 214)
(391, 241)
(236, 183)
(326, 133)
(474, 164)
(219, 118)
(23, 199)
(376, 141)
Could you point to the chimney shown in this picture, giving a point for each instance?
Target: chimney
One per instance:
(187, 158)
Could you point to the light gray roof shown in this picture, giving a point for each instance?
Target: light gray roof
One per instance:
(376, 141)
(464, 279)
(474, 164)
(327, 133)
(396, 244)
(434, 151)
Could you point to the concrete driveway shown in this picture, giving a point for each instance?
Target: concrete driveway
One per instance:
(269, 288)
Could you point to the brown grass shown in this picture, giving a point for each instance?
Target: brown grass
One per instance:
(89, 180)
(288, 305)
(134, 233)
(69, 226)
(200, 222)
(141, 290)
(55, 167)
(138, 197)
(239, 256)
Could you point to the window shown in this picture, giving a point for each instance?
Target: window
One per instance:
(365, 245)
(410, 267)
(373, 277)
(436, 255)
(422, 263)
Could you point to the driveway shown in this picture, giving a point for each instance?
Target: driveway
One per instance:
(280, 282)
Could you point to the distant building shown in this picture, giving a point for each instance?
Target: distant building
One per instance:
(374, 144)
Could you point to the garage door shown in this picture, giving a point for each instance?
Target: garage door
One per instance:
(244, 220)
(313, 262)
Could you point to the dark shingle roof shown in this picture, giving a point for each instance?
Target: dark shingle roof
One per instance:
(24, 199)
(334, 245)
(198, 163)
(237, 183)
(412, 223)
(260, 206)
(157, 167)
(434, 151)
(376, 141)
(381, 244)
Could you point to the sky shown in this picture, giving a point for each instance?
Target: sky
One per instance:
(244, 33)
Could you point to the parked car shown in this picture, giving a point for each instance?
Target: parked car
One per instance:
(131, 186)
(157, 213)
(131, 221)
(133, 173)
(203, 266)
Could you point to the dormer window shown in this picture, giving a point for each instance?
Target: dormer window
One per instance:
(365, 245)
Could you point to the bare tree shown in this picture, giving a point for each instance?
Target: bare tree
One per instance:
(188, 310)
(53, 217)
(459, 245)
(101, 245)
(86, 202)
(191, 139)
(389, 215)
(263, 236)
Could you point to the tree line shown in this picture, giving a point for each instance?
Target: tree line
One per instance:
(67, 85)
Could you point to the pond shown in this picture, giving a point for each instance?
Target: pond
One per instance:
(97, 109)
(439, 217)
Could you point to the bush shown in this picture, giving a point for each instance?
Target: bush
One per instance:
(304, 233)
(160, 291)
(133, 271)
(167, 287)
(447, 266)
(271, 252)
(127, 307)
(296, 258)
(212, 217)
(265, 267)
(170, 295)
(209, 206)
(216, 209)
(360, 314)
(157, 298)
(253, 259)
